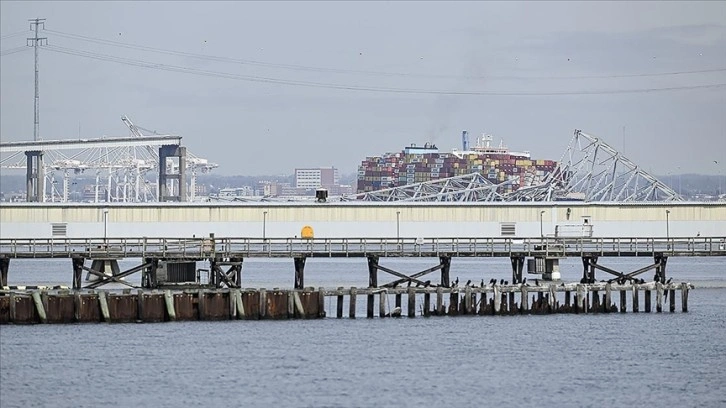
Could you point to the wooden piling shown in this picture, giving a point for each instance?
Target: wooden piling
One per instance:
(552, 298)
(140, 304)
(636, 302)
(623, 301)
(467, 300)
(370, 306)
(512, 304)
(321, 302)
(299, 309)
(580, 295)
(684, 297)
(454, 302)
(483, 303)
(39, 307)
(672, 300)
(103, 303)
(608, 298)
(263, 303)
(427, 304)
(339, 305)
(4, 267)
(169, 301)
(659, 297)
(411, 302)
(382, 297)
(351, 306)
(524, 306)
(497, 301)
(439, 301)
(647, 301)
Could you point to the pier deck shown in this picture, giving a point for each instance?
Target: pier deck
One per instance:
(211, 247)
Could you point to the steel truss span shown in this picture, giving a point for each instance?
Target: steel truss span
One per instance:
(590, 170)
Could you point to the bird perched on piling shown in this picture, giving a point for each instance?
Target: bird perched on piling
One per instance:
(524, 281)
(536, 282)
(506, 282)
(427, 284)
(669, 280)
(456, 282)
(409, 283)
(418, 284)
(492, 282)
(468, 283)
(501, 282)
(482, 283)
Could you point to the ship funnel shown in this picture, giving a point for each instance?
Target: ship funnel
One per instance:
(465, 140)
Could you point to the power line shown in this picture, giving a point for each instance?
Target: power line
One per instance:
(13, 34)
(259, 79)
(362, 72)
(14, 50)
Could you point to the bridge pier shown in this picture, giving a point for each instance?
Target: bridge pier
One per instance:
(300, 273)
(517, 267)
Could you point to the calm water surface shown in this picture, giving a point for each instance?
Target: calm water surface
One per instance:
(529, 361)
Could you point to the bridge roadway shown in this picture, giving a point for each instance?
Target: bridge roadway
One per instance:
(229, 247)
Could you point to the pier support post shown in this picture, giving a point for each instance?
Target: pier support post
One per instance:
(373, 272)
(351, 306)
(427, 304)
(524, 302)
(636, 302)
(411, 302)
(148, 276)
(439, 301)
(517, 267)
(77, 273)
(339, 309)
(647, 301)
(660, 269)
(659, 297)
(382, 297)
(684, 297)
(623, 302)
(369, 305)
(672, 300)
(608, 298)
(588, 271)
(300, 273)
(445, 266)
(4, 266)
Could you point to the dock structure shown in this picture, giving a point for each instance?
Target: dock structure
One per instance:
(171, 262)
(47, 305)
(172, 289)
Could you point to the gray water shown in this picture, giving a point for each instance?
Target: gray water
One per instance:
(526, 361)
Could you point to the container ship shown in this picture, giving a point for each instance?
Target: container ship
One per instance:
(416, 164)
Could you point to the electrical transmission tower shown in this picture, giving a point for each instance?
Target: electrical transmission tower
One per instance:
(35, 42)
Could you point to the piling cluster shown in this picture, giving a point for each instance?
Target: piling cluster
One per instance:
(66, 306)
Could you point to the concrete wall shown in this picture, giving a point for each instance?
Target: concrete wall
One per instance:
(338, 220)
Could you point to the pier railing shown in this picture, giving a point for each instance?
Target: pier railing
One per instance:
(210, 247)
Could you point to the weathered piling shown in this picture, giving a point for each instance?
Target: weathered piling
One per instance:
(351, 311)
(38, 305)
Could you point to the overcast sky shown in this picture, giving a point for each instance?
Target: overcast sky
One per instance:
(300, 84)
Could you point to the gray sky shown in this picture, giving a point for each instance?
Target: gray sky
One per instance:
(490, 49)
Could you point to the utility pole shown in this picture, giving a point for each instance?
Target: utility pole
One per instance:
(35, 42)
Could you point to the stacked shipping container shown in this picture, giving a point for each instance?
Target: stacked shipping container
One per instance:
(410, 167)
